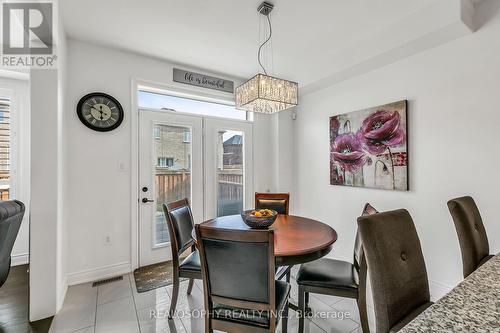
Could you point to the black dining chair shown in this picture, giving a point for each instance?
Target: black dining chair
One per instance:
(397, 268)
(471, 233)
(11, 217)
(180, 226)
(279, 202)
(337, 278)
(240, 292)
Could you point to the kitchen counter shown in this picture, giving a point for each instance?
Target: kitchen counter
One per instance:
(472, 306)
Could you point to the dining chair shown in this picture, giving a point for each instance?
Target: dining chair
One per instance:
(337, 278)
(275, 201)
(240, 292)
(180, 226)
(397, 268)
(471, 233)
(279, 202)
(11, 217)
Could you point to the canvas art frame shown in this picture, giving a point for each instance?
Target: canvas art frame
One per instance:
(369, 147)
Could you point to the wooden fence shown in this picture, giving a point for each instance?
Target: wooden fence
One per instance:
(172, 186)
(230, 192)
(175, 185)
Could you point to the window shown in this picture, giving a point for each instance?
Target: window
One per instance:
(4, 148)
(165, 162)
(157, 133)
(186, 138)
(230, 174)
(153, 100)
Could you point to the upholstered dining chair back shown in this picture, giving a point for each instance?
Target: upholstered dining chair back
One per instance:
(238, 263)
(11, 216)
(180, 225)
(238, 268)
(275, 201)
(471, 233)
(396, 265)
(359, 257)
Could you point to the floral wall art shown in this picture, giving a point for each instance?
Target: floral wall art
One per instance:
(368, 148)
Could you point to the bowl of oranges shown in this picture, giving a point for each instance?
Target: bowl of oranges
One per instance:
(259, 218)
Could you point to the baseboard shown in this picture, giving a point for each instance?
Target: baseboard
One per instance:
(98, 273)
(438, 289)
(20, 259)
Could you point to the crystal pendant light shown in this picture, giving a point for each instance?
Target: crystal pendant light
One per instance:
(264, 93)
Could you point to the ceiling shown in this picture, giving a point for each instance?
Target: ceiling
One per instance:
(309, 42)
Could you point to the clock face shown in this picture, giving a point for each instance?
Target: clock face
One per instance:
(100, 112)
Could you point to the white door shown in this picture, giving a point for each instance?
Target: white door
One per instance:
(228, 167)
(170, 168)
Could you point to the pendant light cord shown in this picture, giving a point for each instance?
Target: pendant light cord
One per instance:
(264, 43)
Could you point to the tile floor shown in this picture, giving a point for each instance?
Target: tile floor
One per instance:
(117, 307)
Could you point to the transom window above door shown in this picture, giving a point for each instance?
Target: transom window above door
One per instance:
(159, 101)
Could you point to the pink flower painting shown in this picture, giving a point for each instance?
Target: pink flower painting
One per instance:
(368, 148)
(347, 152)
(381, 130)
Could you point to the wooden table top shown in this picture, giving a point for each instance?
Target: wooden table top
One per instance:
(296, 239)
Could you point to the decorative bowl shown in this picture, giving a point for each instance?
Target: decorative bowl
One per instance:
(256, 222)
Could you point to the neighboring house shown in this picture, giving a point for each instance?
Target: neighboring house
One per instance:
(172, 145)
(233, 152)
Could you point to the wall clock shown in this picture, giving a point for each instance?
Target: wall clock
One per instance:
(100, 112)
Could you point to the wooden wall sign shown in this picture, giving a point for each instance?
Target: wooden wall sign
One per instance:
(204, 81)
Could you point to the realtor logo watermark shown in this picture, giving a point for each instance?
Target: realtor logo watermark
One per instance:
(28, 34)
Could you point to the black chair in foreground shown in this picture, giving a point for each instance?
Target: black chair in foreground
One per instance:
(240, 292)
(397, 269)
(338, 278)
(180, 226)
(11, 216)
(471, 233)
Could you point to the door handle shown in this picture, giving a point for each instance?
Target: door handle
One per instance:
(146, 200)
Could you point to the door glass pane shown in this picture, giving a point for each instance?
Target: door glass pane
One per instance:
(230, 163)
(172, 149)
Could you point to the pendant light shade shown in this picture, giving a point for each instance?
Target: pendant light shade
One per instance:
(266, 94)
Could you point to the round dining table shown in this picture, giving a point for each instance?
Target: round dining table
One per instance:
(296, 239)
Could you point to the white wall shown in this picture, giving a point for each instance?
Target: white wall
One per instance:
(284, 151)
(48, 226)
(454, 120)
(98, 193)
(44, 196)
(62, 186)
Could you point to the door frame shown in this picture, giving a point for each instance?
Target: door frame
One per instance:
(177, 90)
(195, 124)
